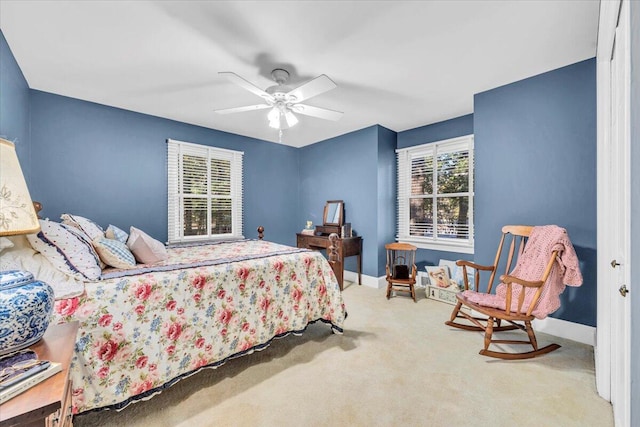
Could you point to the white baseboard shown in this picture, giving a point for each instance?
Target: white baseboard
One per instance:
(369, 281)
(565, 329)
(379, 282)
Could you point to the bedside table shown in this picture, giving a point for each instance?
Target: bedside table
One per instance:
(49, 402)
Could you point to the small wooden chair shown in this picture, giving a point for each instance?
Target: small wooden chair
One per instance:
(517, 302)
(401, 268)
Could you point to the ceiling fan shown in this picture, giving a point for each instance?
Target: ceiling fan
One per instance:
(285, 101)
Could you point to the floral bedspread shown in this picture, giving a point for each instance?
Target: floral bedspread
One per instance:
(142, 331)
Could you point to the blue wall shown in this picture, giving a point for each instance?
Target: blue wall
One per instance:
(329, 171)
(535, 153)
(535, 160)
(386, 194)
(345, 168)
(460, 126)
(635, 212)
(14, 107)
(109, 165)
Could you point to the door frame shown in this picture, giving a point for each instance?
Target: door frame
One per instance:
(606, 382)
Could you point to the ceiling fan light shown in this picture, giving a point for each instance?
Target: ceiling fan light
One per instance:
(274, 114)
(274, 118)
(292, 120)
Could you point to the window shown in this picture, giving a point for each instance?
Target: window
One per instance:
(435, 195)
(205, 192)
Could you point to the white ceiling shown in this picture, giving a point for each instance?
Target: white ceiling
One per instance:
(400, 64)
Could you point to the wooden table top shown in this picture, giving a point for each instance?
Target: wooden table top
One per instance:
(44, 398)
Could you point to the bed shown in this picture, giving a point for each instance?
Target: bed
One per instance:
(145, 327)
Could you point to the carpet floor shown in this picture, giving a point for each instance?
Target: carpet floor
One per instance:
(396, 364)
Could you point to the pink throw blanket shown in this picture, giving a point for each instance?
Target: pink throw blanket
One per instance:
(530, 266)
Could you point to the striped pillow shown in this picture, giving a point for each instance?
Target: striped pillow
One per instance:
(114, 253)
(90, 228)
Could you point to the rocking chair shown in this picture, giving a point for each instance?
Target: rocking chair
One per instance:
(401, 268)
(544, 262)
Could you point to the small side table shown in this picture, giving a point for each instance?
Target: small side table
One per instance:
(47, 403)
(348, 246)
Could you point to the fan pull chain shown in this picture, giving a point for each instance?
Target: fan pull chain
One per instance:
(280, 136)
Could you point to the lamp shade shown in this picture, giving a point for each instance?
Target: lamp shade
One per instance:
(17, 215)
(25, 304)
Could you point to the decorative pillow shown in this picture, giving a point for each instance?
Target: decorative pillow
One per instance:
(114, 232)
(83, 237)
(145, 248)
(66, 249)
(90, 228)
(114, 252)
(26, 258)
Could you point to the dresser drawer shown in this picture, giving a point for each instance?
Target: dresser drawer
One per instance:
(312, 242)
(317, 242)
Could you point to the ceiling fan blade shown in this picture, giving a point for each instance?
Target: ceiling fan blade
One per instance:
(314, 87)
(323, 113)
(233, 77)
(241, 109)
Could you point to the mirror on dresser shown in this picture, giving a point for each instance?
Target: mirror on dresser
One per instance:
(333, 213)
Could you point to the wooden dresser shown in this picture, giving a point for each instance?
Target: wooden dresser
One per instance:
(48, 403)
(348, 246)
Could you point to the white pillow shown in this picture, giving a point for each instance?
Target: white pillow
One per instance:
(114, 252)
(26, 258)
(114, 232)
(5, 244)
(90, 228)
(145, 248)
(67, 250)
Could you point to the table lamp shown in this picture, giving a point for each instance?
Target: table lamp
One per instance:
(25, 304)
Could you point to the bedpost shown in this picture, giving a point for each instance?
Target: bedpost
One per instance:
(38, 207)
(335, 258)
(260, 232)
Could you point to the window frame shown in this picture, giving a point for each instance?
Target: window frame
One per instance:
(175, 196)
(404, 169)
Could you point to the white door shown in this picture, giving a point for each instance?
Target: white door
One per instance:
(619, 287)
(614, 216)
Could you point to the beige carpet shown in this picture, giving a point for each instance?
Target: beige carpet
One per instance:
(396, 364)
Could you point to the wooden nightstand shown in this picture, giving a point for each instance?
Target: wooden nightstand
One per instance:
(48, 403)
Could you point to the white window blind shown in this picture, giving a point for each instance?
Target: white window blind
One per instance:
(435, 195)
(204, 192)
